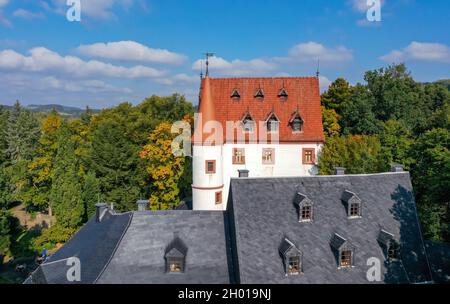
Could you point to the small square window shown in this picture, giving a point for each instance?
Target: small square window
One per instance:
(175, 265)
(346, 258)
(219, 198)
(238, 156)
(210, 167)
(309, 156)
(294, 265)
(268, 156)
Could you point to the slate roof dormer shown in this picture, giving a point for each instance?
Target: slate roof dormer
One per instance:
(304, 208)
(340, 246)
(292, 257)
(175, 256)
(352, 203)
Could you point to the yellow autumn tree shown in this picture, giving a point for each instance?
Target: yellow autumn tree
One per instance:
(330, 120)
(40, 169)
(165, 169)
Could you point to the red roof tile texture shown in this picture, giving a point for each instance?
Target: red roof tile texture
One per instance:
(303, 96)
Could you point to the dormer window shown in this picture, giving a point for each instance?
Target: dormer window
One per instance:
(292, 258)
(248, 123)
(296, 123)
(235, 95)
(283, 95)
(175, 256)
(305, 208)
(273, 123)
(390, 246)
(259, 94)
(343, 251)
(353, 204)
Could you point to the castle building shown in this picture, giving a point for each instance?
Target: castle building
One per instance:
(253, 127)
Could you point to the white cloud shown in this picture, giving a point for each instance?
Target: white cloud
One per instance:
(420, 51)
(45, 60)
(91, 86)
(130, 51)
(237, 67)
(3, 3)
(25, 14)
(324, 83)
(312, 51)
(178, 79)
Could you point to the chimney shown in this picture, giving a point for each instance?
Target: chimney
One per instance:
(100, 210)
(339, 171)
(397, 168)
(243, 173)
(142, 205)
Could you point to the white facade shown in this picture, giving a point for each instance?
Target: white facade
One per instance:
(287, 162)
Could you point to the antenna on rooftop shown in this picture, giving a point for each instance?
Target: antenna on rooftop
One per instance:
(201, 69)
(318, 67)
(208, 55)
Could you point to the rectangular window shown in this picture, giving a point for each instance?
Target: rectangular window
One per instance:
(309, 157)
(268, 156)
(210, 167)
(294, 265)
(175, 265)
(238, 156)
(346, 258)
(219, 198)
(306, 213)
(354, 209)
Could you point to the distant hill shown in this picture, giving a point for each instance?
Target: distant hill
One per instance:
(63, 110)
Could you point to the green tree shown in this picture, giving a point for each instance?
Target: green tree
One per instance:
(65, 195)
(40, 169)
(357, 116)
(431, 179)
(396, 140)
(357, 153)
(337, 96)
(115, 161)
(91, 194)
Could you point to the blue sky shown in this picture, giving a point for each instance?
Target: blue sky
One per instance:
(125, 50)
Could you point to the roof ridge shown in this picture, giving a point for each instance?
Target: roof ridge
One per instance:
(116, 247)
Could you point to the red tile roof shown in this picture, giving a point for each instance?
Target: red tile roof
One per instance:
(303, 95)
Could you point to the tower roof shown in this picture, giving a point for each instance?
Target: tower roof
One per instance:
(206, 110)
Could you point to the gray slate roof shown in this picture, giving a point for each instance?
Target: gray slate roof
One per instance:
(94, 245)
(140, 257)
(246, 244)
(264, 213)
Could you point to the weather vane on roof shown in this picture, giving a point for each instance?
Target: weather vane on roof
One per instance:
(208, 55)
